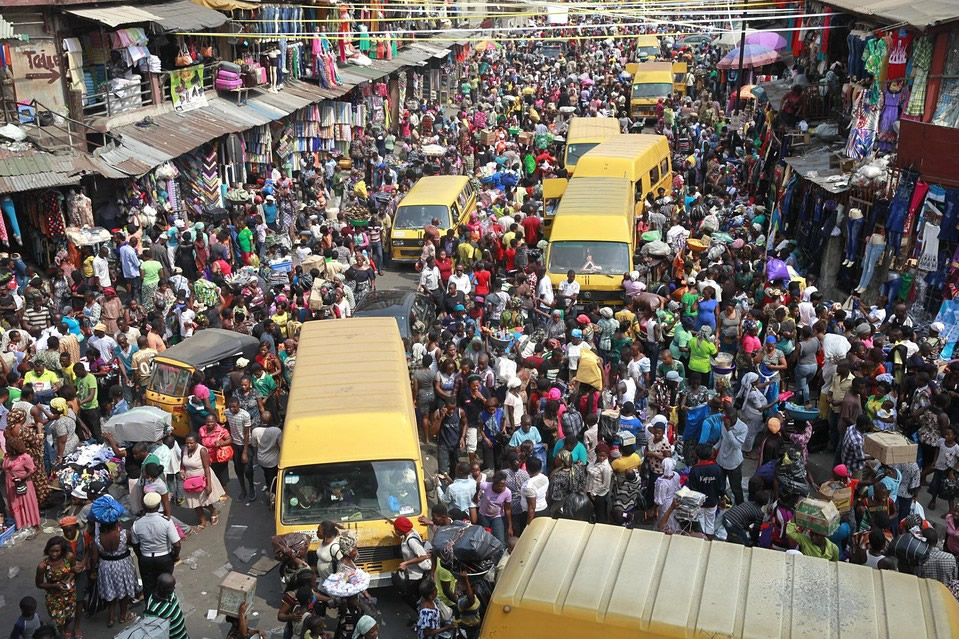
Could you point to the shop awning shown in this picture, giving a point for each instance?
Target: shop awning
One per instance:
(917, 14)
(35, 169)
(181, 15)
(820, 165)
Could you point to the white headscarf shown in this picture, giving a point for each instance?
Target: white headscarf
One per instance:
(747, 385)
(669, 466)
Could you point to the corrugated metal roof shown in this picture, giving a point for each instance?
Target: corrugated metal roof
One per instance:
(181, 15)
(35, 169)
(918, 14)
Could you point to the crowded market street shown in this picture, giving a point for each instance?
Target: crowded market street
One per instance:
(606, 315)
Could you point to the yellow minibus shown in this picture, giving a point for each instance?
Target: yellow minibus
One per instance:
(648, 48)
(443, 200)
(642, 159)
(573, 579)
(594, 234)
(651, 82)
(350, 451)
(584, 134)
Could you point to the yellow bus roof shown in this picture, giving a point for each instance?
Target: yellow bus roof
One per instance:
(350, 394)
(647, 41)
(596, 205)
(650, 67)
(630, 583)
(591, 129)
(620, 156)
(435, 189)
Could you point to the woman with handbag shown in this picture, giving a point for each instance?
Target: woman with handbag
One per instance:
(218, 443)
(18, 466)
(201, 486)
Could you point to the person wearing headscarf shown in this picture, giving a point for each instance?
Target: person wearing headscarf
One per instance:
(606, 329)
(21, 496)
(64, 430)
(566, 480)
(702, 347)
(753, 405)
(366, 628)
(663, 492)
(30, 438)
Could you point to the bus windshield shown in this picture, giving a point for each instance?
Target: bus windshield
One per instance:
(577, 150)
(602, 258)
(652, 90)
(418, 216)
(353, 491)
(170, 380)
(649, 51)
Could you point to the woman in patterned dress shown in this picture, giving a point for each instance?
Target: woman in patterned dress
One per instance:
(31, 441)
(114, 570)
(55, 577)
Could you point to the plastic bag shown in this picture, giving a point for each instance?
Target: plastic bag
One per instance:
(776, 270)
(909, 549)
(457, 545)
(290, 545)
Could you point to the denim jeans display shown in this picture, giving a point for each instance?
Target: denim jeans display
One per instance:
(853, 231)
(869, 260)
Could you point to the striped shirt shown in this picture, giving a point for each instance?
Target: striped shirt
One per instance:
(35, 320)
(168, 608)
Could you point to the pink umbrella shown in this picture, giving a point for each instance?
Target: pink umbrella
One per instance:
(755, 56)
(769, 39)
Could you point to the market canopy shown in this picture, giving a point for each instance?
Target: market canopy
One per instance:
(181, 15)
(918, 14)
(753, 56)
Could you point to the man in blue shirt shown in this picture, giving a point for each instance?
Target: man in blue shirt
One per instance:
(270, 212)
(130, 264)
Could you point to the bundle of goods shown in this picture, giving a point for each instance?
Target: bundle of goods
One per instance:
(347, 583)
(467, 547)
(87, 464)
(819, 516)
(690, 504)
(357, 215)
(123, 94)
(791, 473)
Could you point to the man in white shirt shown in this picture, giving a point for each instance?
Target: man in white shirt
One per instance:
(103, 343)
(461, 279)
(266, 440)
(430, 277)
(568, 290)
(101, 267)
(544, 291)
(156, 541)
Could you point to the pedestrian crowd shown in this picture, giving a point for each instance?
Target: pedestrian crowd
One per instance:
(722, 370)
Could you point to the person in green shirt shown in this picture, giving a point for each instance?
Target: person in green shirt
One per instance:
(701, 349)
(690, 297)
(86, 384)
(679, 346)
(152, 270)
(812, 544)
(263, 382)
(244, 238)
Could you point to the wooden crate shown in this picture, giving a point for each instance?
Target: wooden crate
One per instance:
(235, 589)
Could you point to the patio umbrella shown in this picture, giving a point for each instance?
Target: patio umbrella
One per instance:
(730, 38)
(487, 45)
(769, 39)
(755, 56)
(746, 93)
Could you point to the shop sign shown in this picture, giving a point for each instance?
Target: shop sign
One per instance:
(186, 88)
(36, 73)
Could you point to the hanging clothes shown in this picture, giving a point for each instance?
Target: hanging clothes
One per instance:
(898, 55)
(921, 61)
(887, 120)
(864, 125)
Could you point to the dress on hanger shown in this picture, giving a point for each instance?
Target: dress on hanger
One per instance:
(887, 120)
(929, 260)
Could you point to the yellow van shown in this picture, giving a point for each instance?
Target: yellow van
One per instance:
(648, 48)
(573, 579)
(446, 199)
(594, 235)
(553, 189)
(640, 158)
(350, 451)
(651, 81)
(679, 78)
(584, 134)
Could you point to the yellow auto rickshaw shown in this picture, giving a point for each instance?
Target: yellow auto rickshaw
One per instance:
(173, 369)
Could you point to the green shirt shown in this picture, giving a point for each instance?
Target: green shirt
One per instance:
(699, 353)
(808, 548)
(264, 384)
(14, 395)
(688, 300)
(680, 340)
(84, 385)
(151, 272)
(245, 239)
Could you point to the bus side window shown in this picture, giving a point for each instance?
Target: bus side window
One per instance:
(455, 210)
(653, 175)
(664, 166)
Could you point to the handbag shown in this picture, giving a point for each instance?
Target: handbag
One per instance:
(196, 484)
(183, 58)
(20, 486)
(224, 453)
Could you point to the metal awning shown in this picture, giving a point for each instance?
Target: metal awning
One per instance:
(181, 15)
(920, 15)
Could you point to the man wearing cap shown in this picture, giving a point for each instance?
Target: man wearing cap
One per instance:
(156, 543)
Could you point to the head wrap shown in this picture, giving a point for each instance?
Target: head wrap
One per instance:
(363, 626)
(606, 312)
(747, 382)
(69, 520)
(59, 404)
(403, 524)
(774, 425)
(16, 417)
(107, 510)
(669, 465)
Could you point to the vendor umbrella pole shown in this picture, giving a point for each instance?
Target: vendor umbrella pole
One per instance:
(742, 54)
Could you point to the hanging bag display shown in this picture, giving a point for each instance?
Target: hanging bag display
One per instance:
(183, 58)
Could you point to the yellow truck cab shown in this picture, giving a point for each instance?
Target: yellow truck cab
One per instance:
(679, 78)
(594, 234)
(350, 452)
(447, 200)
(572, 579)
(584, 134)
(651, 81)
(648, 48)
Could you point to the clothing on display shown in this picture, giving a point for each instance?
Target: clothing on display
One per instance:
(929, 260)
(898, 54)
(874, 250)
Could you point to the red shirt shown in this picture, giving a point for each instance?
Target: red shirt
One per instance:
(482, 282)
(510, 255)
(531, 225)
(445, 267)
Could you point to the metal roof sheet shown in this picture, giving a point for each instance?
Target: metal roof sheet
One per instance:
(181, 15)
(918, 14)
(35, 169)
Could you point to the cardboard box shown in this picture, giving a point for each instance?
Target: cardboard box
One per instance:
(838, 493)
(525, 138)
(486, 137)
(818, 516)
(891, 448)
(235, 589)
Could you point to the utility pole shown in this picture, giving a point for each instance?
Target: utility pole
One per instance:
(742, 54)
